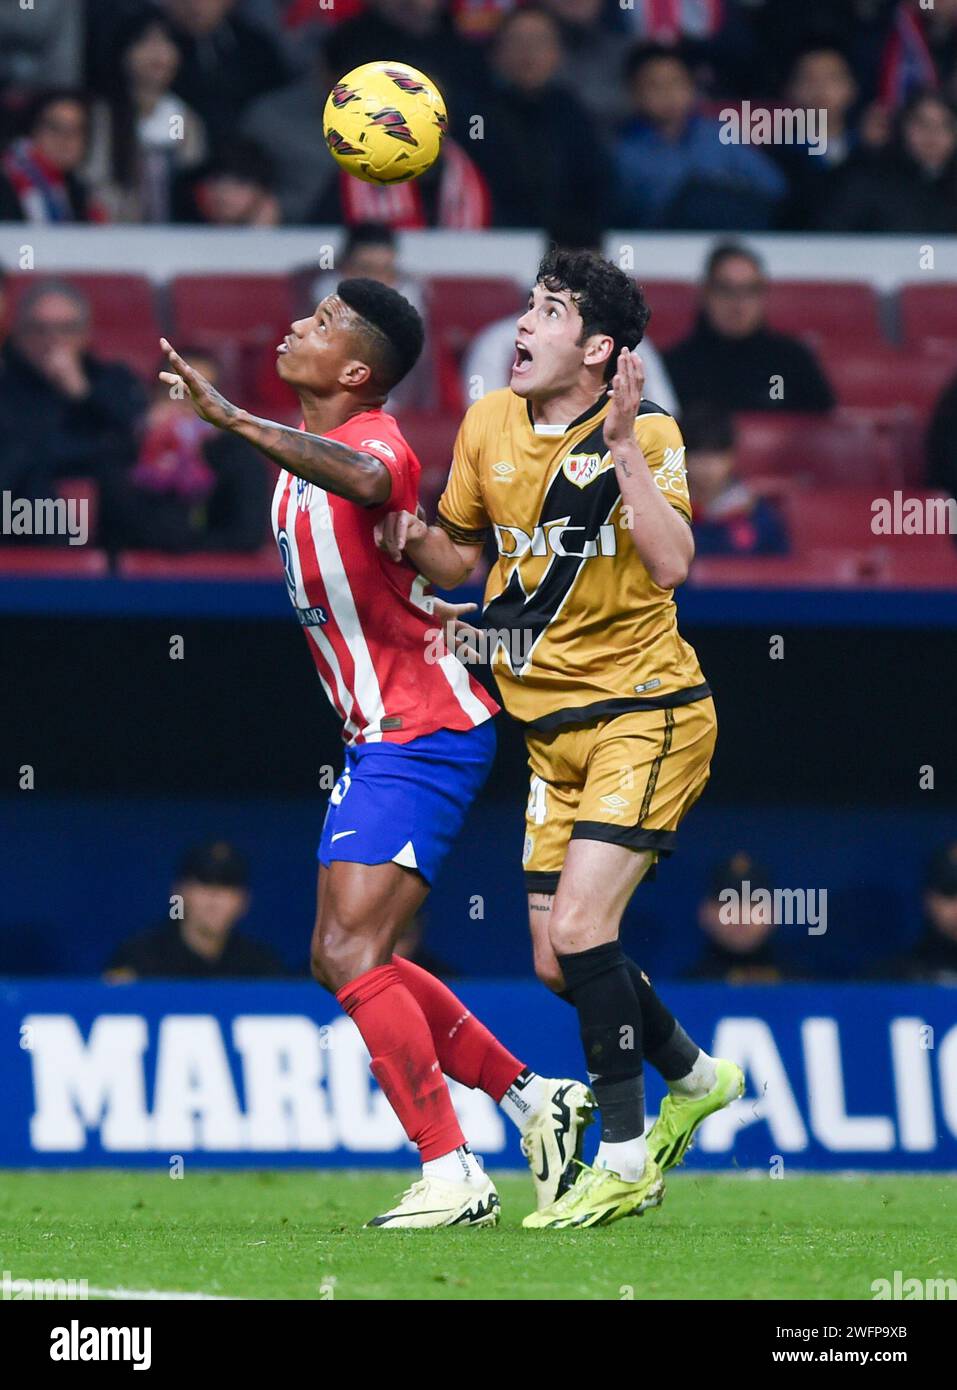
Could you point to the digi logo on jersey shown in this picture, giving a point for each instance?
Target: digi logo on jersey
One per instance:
(556, 538)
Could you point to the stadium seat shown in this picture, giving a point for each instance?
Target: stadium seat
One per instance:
(432, 437)
(828, 312)
(53, 561)
(882, 376)
(928, 314)
(674, 307)
(458, 309)
(151, 564)
(818, 569)
(248, 307)
(85, 491)
(834, 448)
(843, 516)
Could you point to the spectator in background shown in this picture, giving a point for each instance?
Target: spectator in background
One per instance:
(63, 412)
(39, 174)
(41, 45)
(934, 958)
(143, 135)
(593, 60)
(234, 189)
(741, 947)
(910, 187)
(729, 517)
(540, 150)
(673, 169)
(203, 943)
(226, 62)
(920, 50)
(193, 488)
(451, 194)
(286, 124)
(821, 80)
(732, 359)
(370, 250)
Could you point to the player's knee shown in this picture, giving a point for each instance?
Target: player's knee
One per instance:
(569, 926)
(549, 971)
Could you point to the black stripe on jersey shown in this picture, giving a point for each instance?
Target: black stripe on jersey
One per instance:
(586, 507)
(461, 533)
(621, 704)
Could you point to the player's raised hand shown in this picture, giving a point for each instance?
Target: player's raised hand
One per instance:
(207, 401)
(626, 388)
(394, 531)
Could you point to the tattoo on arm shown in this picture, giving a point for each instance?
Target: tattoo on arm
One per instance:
(337, 467)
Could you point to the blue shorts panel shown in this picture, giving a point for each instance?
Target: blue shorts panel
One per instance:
(406, 802)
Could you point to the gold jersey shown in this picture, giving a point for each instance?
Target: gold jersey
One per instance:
(582, 630)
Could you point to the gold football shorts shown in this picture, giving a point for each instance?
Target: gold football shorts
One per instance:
(628, 780)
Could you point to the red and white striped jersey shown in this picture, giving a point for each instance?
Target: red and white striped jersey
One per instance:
(366, 619)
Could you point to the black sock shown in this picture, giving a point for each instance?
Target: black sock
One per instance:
(599, 985)
(666, 1044)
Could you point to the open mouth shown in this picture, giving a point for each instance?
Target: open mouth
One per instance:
(523, 359)
(284, 346)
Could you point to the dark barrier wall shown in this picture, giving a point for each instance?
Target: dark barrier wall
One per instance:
(818, 773)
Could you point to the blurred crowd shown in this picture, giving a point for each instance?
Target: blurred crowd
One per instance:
(160, 479)
(566, 115)
(743, 939)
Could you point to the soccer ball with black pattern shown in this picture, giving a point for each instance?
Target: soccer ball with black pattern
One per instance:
(384, 122)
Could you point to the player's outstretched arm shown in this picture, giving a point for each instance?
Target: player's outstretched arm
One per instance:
(433, 552)
(662, 538)
(329, 464)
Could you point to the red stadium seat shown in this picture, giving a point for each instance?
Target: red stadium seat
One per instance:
(825, 311)
(57, 562)
(83, 490)
(458, 309)
(674, 307)
(844, 516)
(432, 437)
(818, 569)
(928, 314)
(885, 377)
(125, 324)
(151, 564)
(248, 307)
(832, 448)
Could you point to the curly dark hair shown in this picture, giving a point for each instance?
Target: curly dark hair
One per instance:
(390, 326)
(608, 300)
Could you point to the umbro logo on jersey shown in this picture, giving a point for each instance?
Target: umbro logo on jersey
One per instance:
(615, 803)
(503, 471)
(582, 469)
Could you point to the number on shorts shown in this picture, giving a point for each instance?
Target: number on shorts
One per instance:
(537, 808)
(341, 787)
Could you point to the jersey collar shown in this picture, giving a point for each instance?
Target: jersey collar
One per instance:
(555, 431)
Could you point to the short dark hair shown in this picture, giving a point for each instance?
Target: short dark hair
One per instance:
(644, 53)
(728, 250)
(368, 234)
(608, 300)
(52, 96)
(708, 428)
(391, 327)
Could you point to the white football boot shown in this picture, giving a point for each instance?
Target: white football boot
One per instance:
(553, 1138)
(432, 1202)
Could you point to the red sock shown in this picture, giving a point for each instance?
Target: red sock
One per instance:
(396, 1032)
(466, 1049)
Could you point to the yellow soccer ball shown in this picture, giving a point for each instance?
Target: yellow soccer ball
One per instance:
(384, 122)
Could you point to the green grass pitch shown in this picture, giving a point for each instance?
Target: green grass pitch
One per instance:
(298, 1235)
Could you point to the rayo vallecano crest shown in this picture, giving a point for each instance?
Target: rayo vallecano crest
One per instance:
(581, 469)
